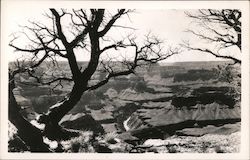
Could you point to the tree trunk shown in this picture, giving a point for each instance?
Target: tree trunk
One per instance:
(59, 110)
(31, 135)
(51, 119)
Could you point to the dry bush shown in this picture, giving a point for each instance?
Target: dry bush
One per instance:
(81, 143)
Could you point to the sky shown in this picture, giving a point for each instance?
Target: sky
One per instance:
(167, 24)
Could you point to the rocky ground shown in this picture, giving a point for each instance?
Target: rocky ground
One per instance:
(209, 143)
(223, 139)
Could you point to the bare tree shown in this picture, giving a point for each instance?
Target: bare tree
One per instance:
(222, 28)
(87, 33)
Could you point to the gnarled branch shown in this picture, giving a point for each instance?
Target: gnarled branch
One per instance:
(222, 27)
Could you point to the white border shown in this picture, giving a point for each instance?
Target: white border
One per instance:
(243, 5)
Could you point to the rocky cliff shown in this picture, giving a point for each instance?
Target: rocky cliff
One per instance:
(203, 106)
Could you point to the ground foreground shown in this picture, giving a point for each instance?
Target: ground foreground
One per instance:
(223, 139)
(209, 143)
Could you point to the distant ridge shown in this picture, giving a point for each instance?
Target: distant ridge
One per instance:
(194, 62)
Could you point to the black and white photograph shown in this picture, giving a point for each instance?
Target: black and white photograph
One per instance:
(88, 78)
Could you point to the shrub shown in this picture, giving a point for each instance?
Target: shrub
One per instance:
(82, 143)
